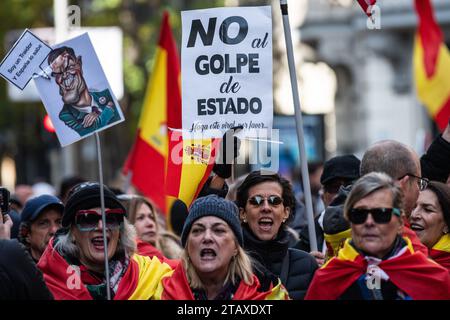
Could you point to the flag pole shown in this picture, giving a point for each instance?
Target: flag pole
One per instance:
(127, 182)
(102, 205)
(299, 124)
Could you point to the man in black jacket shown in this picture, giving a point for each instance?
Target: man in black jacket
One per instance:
(19, 277)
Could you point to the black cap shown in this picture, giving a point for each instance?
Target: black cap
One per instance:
(86, 195)
(344, 167)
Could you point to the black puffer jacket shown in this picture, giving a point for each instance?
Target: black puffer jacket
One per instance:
(435, 162)
(299, 269)
(20, 279)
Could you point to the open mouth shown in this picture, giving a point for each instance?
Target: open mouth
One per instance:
(68, 81)
(265, 223)
(416, 227)
(207, 254)
(97, 243)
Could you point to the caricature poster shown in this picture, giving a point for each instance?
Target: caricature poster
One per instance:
(77, 95)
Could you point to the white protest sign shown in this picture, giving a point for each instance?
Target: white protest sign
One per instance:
(77, 97)
(24, 59)
(226, 69)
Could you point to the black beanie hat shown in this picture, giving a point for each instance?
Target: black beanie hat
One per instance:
(344, 167)
(86, 195)
(212, 205)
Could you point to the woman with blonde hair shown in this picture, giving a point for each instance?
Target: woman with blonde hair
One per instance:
(144, 216)
(214, 266)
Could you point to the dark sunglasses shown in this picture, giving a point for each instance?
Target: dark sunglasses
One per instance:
(259, 200)
(87, 220)
(379, 215)
(421, 182)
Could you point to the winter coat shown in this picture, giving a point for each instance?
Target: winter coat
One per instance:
(294, 267)
(19, 277)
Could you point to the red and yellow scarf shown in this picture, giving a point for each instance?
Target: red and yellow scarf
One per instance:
(139, 282)
(176, 287)
(146, 249)
(411, 272)
(441, 251)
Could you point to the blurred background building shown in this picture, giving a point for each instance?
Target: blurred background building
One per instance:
(356, 83)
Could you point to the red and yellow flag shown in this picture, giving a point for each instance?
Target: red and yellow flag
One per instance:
(163, 166)
(441, 251)
(175, 286)
(410, 271)
(432, 65)
(139, 281)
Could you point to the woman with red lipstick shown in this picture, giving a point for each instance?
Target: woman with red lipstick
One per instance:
(431, 221)
(377, 263)
(73, 264)
(266, 203)
(214, 266)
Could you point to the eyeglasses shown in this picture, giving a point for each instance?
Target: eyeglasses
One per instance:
(422, 182)
(259, 200)
(379, 215)
(87, 220)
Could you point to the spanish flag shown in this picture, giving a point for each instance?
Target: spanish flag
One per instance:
(432, 65)
(175, 286)
(163, 166)
(139, 281)
(410, 271)
(441, 251)
(189, 166)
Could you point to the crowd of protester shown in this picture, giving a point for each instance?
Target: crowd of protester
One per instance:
(382, 227)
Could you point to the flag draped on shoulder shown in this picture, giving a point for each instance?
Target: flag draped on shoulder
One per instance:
(175, 286)
(139, 281)
(156, 161)
(441, 251)
(432, 65)
(411, 272)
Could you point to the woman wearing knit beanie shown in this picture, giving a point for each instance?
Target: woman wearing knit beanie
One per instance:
(213, 265)
(431, 221)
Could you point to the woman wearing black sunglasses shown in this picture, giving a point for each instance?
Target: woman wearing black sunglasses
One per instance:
(74, 262)
(377, 263)
(266, 203)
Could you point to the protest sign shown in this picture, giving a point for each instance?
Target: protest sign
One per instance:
(77, 97)
(24, 59)
(227, 70)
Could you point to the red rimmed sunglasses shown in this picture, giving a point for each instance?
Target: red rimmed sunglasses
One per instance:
(87, 220)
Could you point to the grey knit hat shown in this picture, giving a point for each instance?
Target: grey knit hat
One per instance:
(212, 205)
